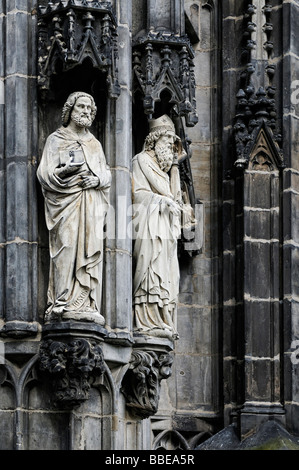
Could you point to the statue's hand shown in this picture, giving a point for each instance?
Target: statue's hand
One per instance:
(67, 169)
(175, 208)
(90, 181)
(171, 205)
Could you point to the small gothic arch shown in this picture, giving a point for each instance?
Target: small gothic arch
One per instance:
(27, 380)
(8, 379)
(164, 102)
(170, 439)
(263, 152)
(19, 381)
(261, 161)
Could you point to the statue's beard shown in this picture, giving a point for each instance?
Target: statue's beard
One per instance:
(164, 156)
(81, 120)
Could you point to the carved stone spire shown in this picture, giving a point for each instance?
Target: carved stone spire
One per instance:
(256, 96)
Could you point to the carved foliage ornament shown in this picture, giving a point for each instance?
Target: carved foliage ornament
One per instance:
(72, 366)
(163, 62)
(141, 384)
(70, 32)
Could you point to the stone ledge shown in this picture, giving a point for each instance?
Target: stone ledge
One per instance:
(74, 329)
(19, 329)
(122, 338)
(144, 342)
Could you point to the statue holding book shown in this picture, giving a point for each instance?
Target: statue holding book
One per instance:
(75, 180)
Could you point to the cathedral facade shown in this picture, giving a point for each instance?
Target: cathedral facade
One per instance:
(146, 304)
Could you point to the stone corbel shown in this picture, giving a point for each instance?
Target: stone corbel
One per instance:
(72, 360)
(142, 382)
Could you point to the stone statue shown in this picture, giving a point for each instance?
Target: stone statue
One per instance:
(159, 210)
(75, 181)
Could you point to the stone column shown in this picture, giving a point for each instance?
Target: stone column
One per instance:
(260, 227)
(261, 294)
(118, 285)
(18, 130)
(252, 211)
(232, 21)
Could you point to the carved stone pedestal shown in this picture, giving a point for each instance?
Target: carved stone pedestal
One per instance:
(151, 362)
(71, 357)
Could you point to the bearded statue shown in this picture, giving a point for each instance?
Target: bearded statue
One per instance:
(75, 181)
(157, 222)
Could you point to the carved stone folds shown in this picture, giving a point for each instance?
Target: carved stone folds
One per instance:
(70, 32)
(163, 62)
(142, 382)
(72, 359)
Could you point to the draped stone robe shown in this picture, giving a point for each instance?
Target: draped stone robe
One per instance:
(75, 219)
(156, 230)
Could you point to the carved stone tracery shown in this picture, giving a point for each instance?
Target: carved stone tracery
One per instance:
(256, 98)
(70, 32)
(163, 62)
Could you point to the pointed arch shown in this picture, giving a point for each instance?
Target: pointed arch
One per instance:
(170, 439)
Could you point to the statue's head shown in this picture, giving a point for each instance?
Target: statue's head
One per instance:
(71, 109)
(163, 140)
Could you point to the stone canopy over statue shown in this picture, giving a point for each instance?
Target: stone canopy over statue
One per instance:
(75, 181)
(159, 214)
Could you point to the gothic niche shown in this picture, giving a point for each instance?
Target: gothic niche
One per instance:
(163, 63)
(71, 31)
(72, 367)
(164, 84)
(142, 382)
